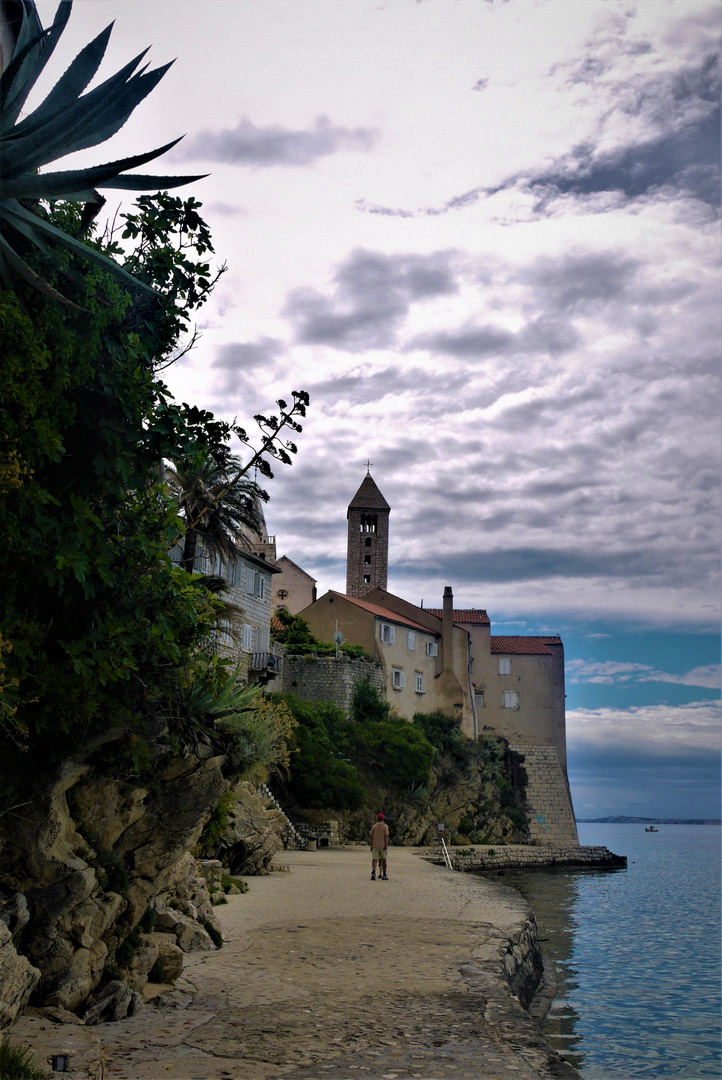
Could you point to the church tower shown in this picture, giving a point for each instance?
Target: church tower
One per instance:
(367, 554)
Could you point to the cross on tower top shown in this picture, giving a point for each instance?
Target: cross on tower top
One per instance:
(368, 467)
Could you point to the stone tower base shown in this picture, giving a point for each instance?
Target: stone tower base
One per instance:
(551, 817)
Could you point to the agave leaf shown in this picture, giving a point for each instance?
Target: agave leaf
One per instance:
(9, 256)
(33, 49)
(71, 85)
(14, 212)
(29, 231)
(142, 182)
(59, 184)
(86, 122)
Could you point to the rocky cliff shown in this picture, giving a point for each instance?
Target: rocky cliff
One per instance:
(89, 870)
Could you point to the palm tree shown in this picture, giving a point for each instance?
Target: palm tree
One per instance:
(216, 506)
(66, 121)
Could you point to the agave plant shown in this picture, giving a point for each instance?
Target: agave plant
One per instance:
(66, 121)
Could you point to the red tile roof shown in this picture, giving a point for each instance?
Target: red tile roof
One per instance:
(383, 613)
(519, 646)
(464, 615)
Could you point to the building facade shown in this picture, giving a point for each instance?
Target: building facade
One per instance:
(447, 658)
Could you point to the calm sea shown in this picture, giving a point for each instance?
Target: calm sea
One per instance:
(637, 954)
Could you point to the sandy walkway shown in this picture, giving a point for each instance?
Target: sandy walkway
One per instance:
(327, 974)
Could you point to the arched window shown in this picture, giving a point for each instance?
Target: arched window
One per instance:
(367, 541)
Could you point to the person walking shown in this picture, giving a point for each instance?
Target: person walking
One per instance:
(379, 841)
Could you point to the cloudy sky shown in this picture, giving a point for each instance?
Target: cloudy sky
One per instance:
(484, 238)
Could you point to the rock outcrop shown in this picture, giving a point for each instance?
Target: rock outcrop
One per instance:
(252, 834)
(18, 979)
(92, 854)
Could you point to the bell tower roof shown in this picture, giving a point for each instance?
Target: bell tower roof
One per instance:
(368, 496)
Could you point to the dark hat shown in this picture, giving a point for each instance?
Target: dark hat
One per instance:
(381, 816)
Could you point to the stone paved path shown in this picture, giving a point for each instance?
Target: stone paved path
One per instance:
(326, 974)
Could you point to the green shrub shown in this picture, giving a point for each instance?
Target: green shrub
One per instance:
(214, 828)
(215, 936)
(17, 1063)
(155, 975)
(124, 954)
(227, 881)
(367, 705)
(148, 921)
(396, 750)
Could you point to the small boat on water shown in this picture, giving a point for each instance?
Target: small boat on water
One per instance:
(651, 828)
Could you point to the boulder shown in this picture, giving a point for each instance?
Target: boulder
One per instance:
(189, 935)
(169, 964)
(18, 979)
(252, 835)
(116, 1001)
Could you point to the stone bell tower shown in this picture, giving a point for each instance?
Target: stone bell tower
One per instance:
(367, 554)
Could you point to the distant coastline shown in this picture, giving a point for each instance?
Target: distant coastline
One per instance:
(621, 819)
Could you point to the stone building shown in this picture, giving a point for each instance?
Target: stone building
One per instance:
(447, 658)
(293, 589)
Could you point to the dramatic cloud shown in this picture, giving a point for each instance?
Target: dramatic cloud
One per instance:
(654, 123)
(247, 144)
(373, 294)
(671, 729)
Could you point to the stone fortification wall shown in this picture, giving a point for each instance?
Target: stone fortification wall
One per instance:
(523, 857)
(549, 804)
(325, 678)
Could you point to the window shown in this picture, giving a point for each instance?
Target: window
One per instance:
(368, 523)
(387, 633)
(223, 632)
(367, 579)
(367, 541)
(411, 640)
(419, 684)
(432, 648)
(248, 637)
(504, 667)
(398, 679)
(367, 560)
(478, 698)
(510, 699)
(255, 584)
(235, 573)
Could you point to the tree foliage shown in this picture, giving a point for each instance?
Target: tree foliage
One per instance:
(98, 628)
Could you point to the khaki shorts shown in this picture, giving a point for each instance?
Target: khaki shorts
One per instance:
(378, 854)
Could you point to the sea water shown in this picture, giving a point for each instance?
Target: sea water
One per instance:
(636, 952)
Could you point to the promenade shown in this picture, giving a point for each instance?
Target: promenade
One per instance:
(327, 974)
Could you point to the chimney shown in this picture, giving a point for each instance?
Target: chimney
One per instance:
(447, 628)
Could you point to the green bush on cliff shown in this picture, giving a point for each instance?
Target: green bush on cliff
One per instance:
(99, 629)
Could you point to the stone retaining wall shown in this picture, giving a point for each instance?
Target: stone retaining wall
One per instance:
(325, 678)
(549, 804)
(521, 857)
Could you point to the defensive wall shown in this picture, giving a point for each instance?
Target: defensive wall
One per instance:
(327, 678)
